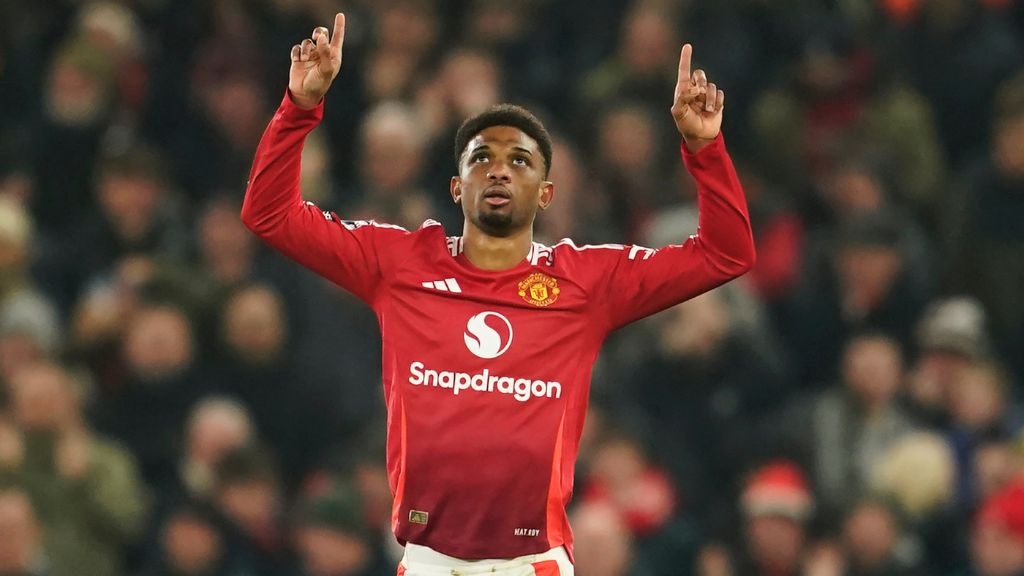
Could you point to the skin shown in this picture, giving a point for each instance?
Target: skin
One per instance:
(501, 161)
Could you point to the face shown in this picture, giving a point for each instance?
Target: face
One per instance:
(873, 369)
(995, 464)
(191, 545)
(215, 432)
(222, 235)
(501, 181)
(867, 273)
(619, 464)
(775, 542)
(254, 325)
(1008, 153)
(19, 533)
(249, 503)
(43, 399)
(855, 191)
(603, 545)
(976, 399)
(996, 551)
(392, 154)
(158, 343)
(870, 535)
(327, 552)
(130, 202)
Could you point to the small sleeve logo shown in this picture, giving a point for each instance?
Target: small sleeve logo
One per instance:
(417, 517)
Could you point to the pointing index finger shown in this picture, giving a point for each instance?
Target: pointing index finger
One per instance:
(339, 31)
(684, 62)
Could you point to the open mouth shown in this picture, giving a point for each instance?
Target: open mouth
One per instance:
(497, 196)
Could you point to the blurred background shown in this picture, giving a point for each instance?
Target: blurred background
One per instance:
(179, 400)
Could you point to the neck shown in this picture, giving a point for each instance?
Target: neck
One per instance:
(493, 252)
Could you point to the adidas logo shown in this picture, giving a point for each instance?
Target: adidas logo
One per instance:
(446, 285)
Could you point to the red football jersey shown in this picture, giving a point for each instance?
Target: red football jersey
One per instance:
(487, 373)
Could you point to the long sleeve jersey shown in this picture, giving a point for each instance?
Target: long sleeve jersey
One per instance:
(487, 373)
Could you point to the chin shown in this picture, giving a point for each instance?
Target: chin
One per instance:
(495, 224)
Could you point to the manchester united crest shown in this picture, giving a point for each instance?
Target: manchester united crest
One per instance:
(539, 289)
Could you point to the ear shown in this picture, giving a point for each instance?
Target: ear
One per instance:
(456, 189)
(547, 194)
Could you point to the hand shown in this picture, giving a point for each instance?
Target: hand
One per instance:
(12, 447)
(713, 560)
(697, 105)
(73, 455)
(315, 64)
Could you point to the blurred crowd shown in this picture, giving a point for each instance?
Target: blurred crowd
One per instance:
(178, 400)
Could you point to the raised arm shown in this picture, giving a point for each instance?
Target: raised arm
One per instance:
(347, 253)
(644, 281)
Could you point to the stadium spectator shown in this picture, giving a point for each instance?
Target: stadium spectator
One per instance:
(951, 335)
(247, 494)
(256, 366)
(603, 542)
(191, 542)
(333, 539)
(997, 536)
(875, 544)
(216, 426)
(147, 413)
(393, 154)
(90, 499)
(777, 506)
(21, 542)
(867, 283)
(126, 129)
(918, 474)
(851, 426)
(30, 328)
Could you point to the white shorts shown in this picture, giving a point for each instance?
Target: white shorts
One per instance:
(423, 561)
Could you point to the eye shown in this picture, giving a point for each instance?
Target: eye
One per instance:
(520, 161)
(478, 157)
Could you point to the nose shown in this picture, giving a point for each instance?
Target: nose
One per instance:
(499, 173)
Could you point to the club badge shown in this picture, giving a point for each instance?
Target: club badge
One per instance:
(539, 289)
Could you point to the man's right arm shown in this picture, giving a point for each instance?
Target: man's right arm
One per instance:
(342, 252)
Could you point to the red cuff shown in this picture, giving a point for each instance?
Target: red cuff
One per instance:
(714, 148)
(290, 109)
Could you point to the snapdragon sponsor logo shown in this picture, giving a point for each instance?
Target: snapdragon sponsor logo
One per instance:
(488, 340)
(522, 389)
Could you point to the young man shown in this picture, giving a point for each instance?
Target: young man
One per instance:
(489, 338)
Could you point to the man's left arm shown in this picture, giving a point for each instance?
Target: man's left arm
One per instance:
(643, 281)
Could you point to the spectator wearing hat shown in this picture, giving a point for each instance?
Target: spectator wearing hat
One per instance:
(951, 334)
(776, 505)
(333, 538)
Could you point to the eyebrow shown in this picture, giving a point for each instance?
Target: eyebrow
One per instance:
(487, 147)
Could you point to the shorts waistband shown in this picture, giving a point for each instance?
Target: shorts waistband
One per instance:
(423, 557)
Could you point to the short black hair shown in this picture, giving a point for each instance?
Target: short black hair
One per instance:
(505, 115)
